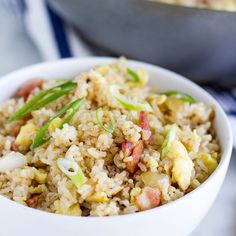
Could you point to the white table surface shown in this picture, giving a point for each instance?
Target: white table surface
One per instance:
(16, 51)
(221, 219)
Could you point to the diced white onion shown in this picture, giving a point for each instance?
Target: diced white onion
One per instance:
(12, 161)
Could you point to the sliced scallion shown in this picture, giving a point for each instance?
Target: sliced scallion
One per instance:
(74, 107)
(133, 75)
(138, 78)
(112, 125)
(72, 170)
(170, 137)
(183, 96)
(126, 103)
(42, 99)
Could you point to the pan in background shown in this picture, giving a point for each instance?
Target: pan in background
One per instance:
(197, 43)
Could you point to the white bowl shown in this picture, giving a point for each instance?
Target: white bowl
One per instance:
(177, 218)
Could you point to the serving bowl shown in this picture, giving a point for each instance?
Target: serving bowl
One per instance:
(179, 217)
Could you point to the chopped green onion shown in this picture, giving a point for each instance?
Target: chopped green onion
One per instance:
(72, 171)
(135, 77)
(74, 106)
(183, 96)
(40, 137)
(112, 126)
(130, 105)
(170, 137)
(42, 99)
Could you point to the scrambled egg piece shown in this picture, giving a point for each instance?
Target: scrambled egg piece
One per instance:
(25, 136)
(208, 161)
(182, 164)
(98, 197)
(73, 210)
(40, 176)
(143, 76)
(134, 193)
(174, 104)
(192, 141)
(39, 189)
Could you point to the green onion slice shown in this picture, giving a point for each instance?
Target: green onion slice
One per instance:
(42, 99)
(72, 170)
(170, 137)
(130, 105)
(112, 125)
(134, 76)
(40, 136)
(183, 96)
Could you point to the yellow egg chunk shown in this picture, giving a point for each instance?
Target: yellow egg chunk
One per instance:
(25, 136)
(208, 161)
(182, 164)
(41, 188)
(144, 77)
(174, 104)
(40, 176)
(98, 197)
(154, 179)
(73, 210)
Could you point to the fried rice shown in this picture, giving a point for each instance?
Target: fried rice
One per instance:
(141, 152)
(220, 5)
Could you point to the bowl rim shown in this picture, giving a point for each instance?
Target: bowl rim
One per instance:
(225, 158)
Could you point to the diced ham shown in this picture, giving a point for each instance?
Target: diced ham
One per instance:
(146, 130)
(27, 88)
(149, 198)
(14, 147)
(15, 131)
(33, 201)
(127, 148)
(136, 154)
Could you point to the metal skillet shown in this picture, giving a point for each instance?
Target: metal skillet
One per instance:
(198, 43)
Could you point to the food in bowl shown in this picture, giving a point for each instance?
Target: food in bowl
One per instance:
(103, 143)
(223, 5)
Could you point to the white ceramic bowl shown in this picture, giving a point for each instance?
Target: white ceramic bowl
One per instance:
(177, 218)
